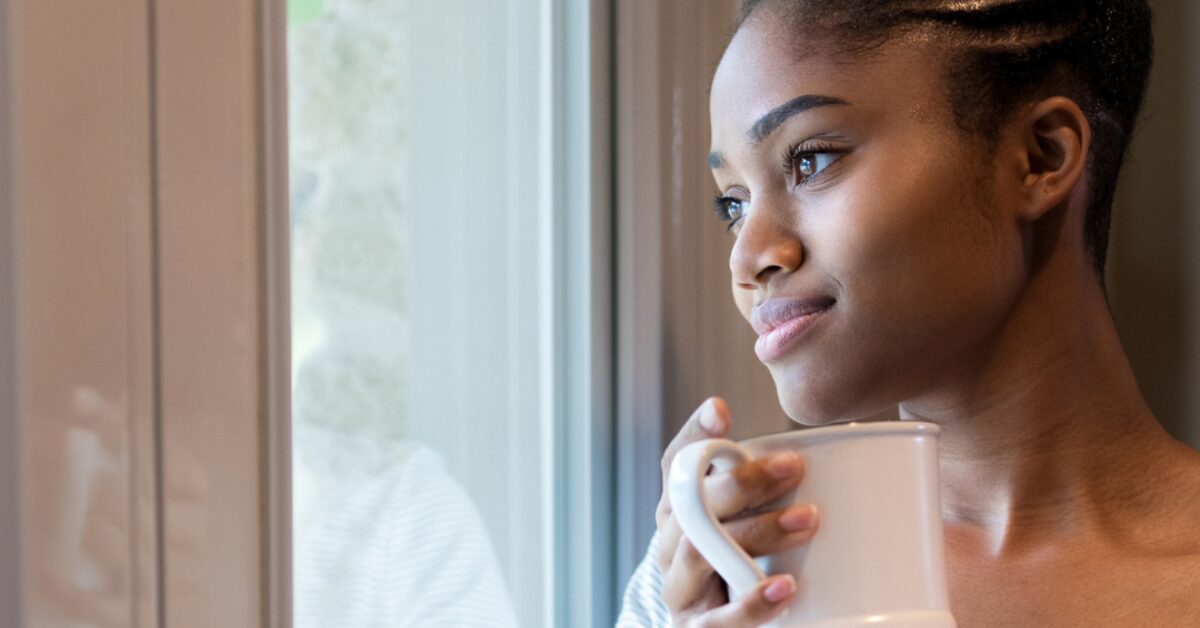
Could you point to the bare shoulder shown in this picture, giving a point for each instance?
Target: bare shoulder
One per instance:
(1165, 512)
(1141, 563)
(1180, 483)
(1135, 561)
(1167, 591)
(1165, 547)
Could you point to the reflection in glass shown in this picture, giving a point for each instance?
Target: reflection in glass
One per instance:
(386, 532)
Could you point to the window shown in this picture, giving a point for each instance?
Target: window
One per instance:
(450, 407)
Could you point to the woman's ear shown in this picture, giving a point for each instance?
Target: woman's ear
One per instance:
(1057, 137)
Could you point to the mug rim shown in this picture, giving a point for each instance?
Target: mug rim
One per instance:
(811, 435)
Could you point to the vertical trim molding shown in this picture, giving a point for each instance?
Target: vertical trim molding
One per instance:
(211, 196)
(275, 332)
(150, 450)
(584, 260)
(639, 376)
(10, 449)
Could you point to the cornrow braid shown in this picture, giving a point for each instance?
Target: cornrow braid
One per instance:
(1007, 53)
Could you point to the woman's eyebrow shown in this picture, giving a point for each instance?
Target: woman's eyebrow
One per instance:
(767, 124)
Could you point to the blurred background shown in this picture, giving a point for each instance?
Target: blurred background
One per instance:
(1153, 280)
(373, 294)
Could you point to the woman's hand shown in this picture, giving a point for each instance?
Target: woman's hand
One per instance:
(694, 593)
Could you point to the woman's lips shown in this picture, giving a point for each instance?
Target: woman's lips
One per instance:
(781, 324)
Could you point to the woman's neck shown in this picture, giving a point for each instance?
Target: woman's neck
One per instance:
(1043, 431)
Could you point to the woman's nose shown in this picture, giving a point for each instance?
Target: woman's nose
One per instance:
(765, 246)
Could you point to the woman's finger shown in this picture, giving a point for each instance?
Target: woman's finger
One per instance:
(689, 576)
(710, 420)
(752, 484)
(689, 573)
(765, 603)
(734, 493)
(669, 534)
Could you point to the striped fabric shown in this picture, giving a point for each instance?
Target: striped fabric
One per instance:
(643, 606)
(403, 548)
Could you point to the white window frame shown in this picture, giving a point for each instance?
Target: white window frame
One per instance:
(571, 213)
(579, 39)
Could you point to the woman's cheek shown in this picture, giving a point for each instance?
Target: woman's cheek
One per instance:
(742, 298)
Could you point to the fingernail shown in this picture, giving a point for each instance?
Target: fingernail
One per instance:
(709, 419)
(798, 518)
(785, 465)
(779, 589)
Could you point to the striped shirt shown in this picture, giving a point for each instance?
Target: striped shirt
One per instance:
(401, 548)
(643, 606)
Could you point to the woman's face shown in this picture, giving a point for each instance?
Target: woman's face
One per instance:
(878, 250)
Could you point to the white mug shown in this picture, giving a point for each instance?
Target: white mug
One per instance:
(877, 558)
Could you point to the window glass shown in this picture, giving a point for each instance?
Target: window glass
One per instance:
(424, 456)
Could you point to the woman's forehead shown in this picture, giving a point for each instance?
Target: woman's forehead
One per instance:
(760, 72)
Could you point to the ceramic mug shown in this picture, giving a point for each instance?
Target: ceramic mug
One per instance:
(877, 558)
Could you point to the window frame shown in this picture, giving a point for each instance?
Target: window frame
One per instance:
(574, 218)
(205, 154)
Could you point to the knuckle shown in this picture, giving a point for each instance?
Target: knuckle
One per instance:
(751, 476)
(736, 490)
(763, 540)
(751, 535)
(763, 534)
(757, 485)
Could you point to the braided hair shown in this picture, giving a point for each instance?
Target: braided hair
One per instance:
(1006, 53)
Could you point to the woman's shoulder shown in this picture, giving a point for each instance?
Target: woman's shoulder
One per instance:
(1163, 517)
(1160, 546)
(1179, 487)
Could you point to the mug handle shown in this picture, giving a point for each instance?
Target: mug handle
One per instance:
(686, 489)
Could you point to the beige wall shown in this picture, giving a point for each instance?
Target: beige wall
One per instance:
(1154, 288)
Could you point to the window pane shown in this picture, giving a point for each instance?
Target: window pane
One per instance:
(423, 343)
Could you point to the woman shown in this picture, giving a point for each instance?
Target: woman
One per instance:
(919, 193)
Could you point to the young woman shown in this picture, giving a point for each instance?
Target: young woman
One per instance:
(919, 193)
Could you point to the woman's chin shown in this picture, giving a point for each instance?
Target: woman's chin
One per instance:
(815, 406)
(817, 421)
(810, 414)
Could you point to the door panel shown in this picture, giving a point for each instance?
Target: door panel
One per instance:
(137, 236)
(82, 312)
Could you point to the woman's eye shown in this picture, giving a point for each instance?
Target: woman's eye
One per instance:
(803, 164)
(730, 209)
(815, 162)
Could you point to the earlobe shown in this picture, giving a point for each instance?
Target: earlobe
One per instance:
(1057, 139)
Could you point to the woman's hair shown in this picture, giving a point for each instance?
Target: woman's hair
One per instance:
(1006, 53)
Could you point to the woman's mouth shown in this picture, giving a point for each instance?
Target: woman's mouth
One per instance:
(781, 323)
